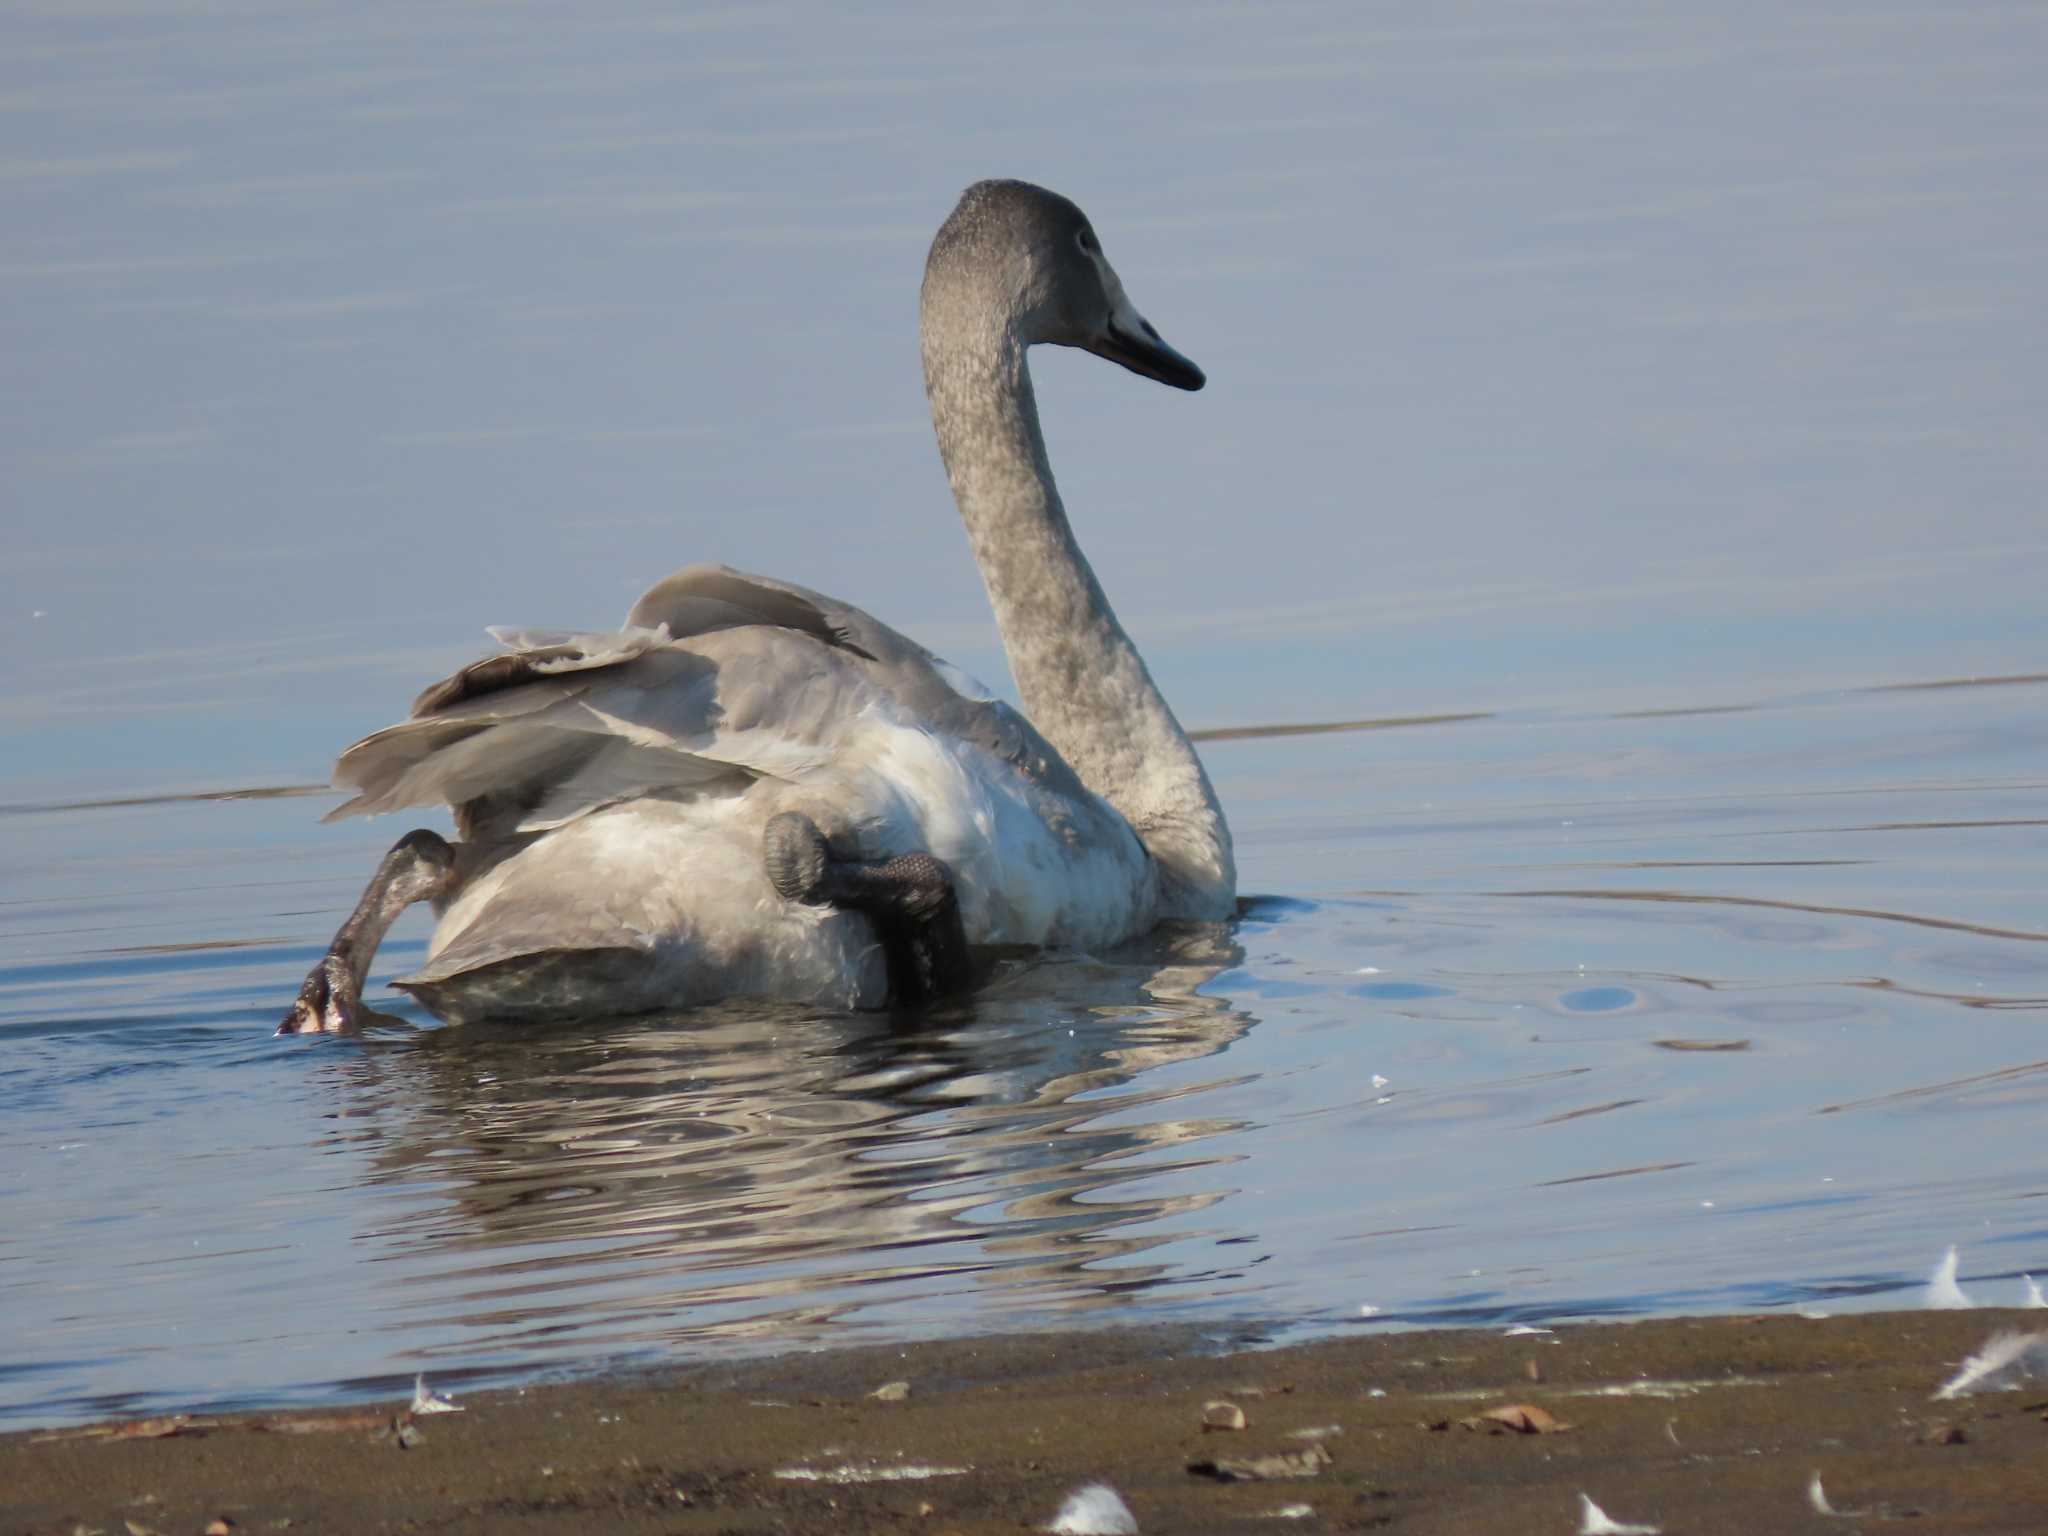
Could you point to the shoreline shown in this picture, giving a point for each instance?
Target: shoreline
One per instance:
(1688, 1424)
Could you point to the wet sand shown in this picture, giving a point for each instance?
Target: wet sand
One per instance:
(1707, 1425)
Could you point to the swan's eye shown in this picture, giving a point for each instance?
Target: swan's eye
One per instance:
(1085, 238)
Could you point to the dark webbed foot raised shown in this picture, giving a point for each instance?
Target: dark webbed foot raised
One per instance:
(328, 1003)
(419, 867)
(909, 899)
(794, 851)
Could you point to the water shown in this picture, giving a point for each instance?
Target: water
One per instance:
(1648, 396)
(1549, 1015)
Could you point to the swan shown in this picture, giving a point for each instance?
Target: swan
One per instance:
(751, 788)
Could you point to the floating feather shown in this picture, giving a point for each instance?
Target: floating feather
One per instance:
(1942, 1291)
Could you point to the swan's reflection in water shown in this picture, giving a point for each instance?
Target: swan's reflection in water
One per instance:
(620, 1185)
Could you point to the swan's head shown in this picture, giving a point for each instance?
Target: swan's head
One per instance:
(1030, 260)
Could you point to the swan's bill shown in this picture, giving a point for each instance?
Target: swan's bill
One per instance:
(1130, 339)
(1140, 349)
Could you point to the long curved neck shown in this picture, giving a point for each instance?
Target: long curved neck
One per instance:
(1083, 683)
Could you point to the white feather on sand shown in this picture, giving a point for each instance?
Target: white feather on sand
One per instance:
(1817, 1496)
(1595, 1521)
(1095, 1510)
(2007, 1360)
(426, 1400)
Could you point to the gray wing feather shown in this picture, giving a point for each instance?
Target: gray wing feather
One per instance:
(536, 742)
(700, 599)
(717, 677)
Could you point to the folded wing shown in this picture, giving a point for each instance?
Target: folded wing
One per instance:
(715, 680)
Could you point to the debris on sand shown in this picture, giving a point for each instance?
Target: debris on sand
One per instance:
(1522, 1418)
(1943, 1294)
(868, 1472)
(1094, 1510)
(1221, 1414)
(1595, 1521)
(1279, 1467)
(133, 1429)
(892, 1392)
(1817, 1496)
(402, 1431)
(2008, 1359)
(323, 1423)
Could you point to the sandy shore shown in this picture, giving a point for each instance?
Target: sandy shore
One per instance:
(1710, 1425)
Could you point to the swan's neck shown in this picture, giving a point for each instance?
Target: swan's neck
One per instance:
(1083, 683)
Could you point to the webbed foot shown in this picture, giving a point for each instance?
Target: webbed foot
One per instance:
(329, 1003)
(419, 867)
(793, 849)
(910, 899)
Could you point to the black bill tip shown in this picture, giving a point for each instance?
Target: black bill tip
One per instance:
(1143, 351)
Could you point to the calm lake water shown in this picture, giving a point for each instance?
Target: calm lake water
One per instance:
(1545, 1015)
(1651, 396)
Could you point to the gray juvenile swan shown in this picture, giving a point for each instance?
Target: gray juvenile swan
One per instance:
(754, 789)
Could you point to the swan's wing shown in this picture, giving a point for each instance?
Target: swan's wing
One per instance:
(701, 598)
(923, 688)
(717, 678)
(536, 655)
(538, 737)
(697, 600)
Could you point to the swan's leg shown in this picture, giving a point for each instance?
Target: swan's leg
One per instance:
(419, 867)
(909, 898)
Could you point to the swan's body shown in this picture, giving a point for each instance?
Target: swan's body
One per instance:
(621, 859)
(612, 791)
